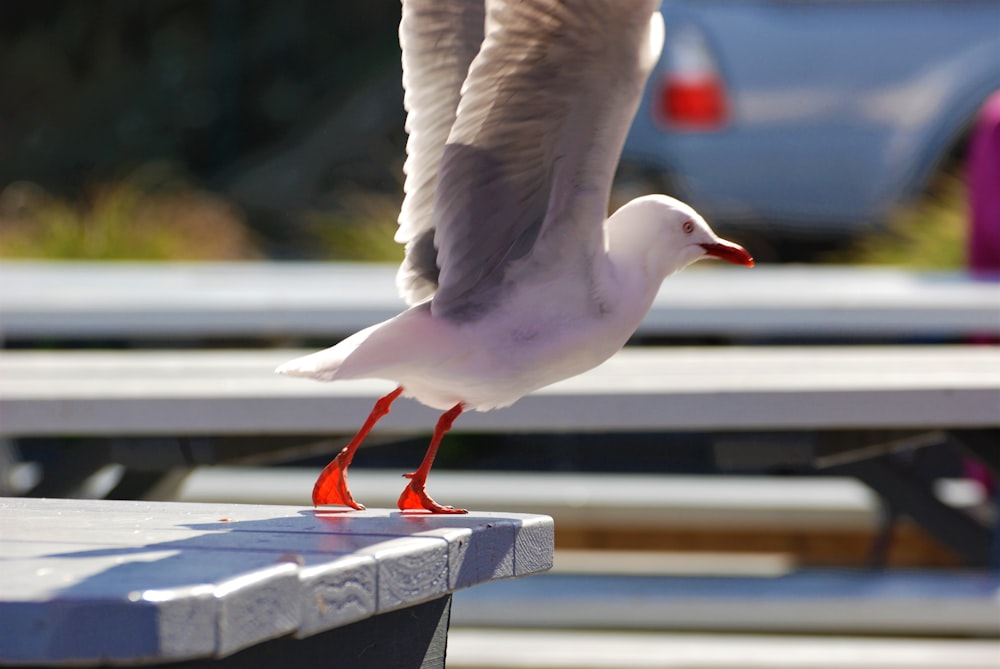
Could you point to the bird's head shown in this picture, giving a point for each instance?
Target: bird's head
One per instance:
(667, 235)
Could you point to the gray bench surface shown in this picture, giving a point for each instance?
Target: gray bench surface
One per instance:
(329, 300)
(735, 388)
(84, 582)
(655, 502)
(842, 601)
(635, 649)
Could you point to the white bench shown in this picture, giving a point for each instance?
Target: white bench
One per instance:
(603, 649)
(185, 301)
(148, 393)
(835, 601)
(87, 583)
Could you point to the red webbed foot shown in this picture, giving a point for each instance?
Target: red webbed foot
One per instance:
(415, 498)
(331, 486)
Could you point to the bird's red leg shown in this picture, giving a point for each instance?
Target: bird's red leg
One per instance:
(414, 497)
(331, 486)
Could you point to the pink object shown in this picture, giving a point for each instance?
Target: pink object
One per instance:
(984, 236)
(984, 188)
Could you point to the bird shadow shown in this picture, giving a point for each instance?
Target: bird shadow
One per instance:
(179, 554)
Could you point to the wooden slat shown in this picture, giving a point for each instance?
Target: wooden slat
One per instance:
(479, 648)
(330, 300)
(841, 601)
(236, 393)
(128, 581)
(815, 521)
(651, 502)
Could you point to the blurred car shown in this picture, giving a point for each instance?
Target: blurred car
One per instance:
(811, 116)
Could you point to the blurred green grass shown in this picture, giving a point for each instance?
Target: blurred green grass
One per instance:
(122, 221)
(361, 229)
(169, 220)
(928, 233)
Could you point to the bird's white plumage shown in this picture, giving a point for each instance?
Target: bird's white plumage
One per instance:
(534, 284)
(527, 168)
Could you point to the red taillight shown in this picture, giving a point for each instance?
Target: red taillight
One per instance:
(691, 94)
(695, 104)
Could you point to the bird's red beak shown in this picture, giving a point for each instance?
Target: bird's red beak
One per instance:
(729, 252)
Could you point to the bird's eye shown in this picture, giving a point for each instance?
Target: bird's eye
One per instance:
(688, 227)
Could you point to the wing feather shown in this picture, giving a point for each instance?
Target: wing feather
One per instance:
(539, 130)
(439, 39)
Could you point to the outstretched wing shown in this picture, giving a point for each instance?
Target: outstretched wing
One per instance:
(539, 130)
(439, 39)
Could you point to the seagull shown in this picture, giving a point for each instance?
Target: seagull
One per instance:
(515, 277)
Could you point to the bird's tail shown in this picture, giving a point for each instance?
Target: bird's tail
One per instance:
(313, 366)
(325, 365)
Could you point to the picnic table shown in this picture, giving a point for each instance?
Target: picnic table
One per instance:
(79, 301)
(90, 582)
(848, 407)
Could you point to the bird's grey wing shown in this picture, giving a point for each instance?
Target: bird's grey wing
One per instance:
(439, 39)
(540, 127)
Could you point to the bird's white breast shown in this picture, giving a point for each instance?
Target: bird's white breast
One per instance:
(541, 335)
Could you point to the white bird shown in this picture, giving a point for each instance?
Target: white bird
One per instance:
(517, 113)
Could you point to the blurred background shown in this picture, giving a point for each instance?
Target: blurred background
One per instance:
(223, 130)
(231, 130)
(815, 133)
